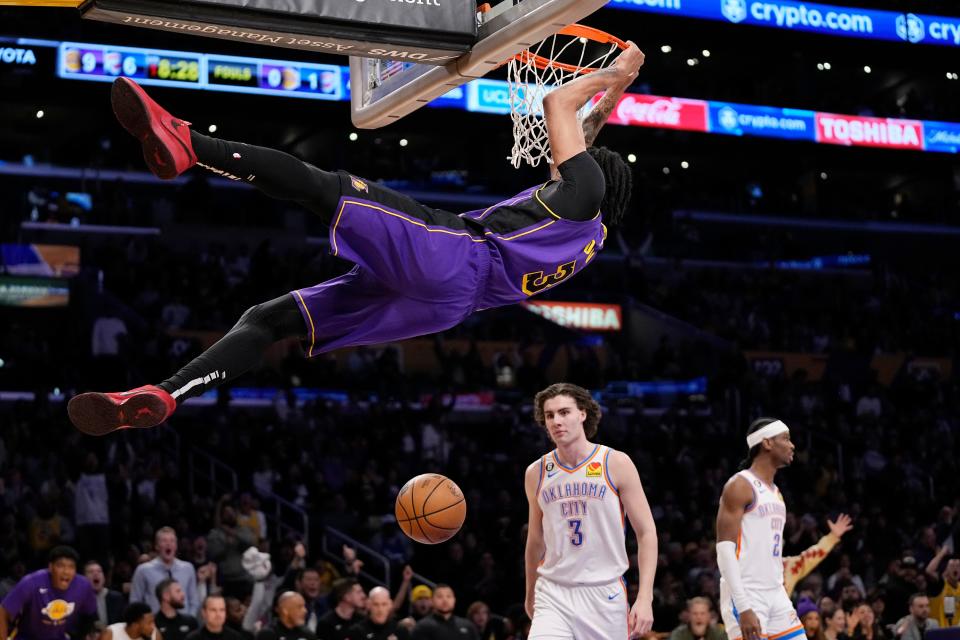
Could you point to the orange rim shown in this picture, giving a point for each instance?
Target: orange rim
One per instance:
(576, 31)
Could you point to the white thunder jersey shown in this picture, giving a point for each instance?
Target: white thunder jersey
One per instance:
(760, 542)
(119, 632)
(583, 521)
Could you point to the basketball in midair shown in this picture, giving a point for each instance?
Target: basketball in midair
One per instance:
(430, 508)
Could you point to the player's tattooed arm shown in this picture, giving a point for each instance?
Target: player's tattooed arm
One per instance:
(601, 111)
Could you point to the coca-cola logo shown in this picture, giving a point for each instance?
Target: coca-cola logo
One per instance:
(656, 111)
(661, 111)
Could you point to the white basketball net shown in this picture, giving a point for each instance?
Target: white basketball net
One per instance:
(528, 84)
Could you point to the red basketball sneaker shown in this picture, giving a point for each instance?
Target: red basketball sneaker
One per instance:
(98, 414)
(165, 139)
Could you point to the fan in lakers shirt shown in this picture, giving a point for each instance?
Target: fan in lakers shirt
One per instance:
(753, 601)
(418, 270)
(50, 604)
(576, 555)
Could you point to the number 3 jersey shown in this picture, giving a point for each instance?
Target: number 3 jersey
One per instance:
(760, 541)
(583, 521)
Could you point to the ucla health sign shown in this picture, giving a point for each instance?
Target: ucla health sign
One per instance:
(771, 122)
(851, 22)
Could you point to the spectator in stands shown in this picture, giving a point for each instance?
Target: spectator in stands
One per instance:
(51, 604)
(489, 625)
(795, 568)
(878, 602)
(916, 624)
(442, 624)
(110, 603)
(900, 581)
(421, 600)
(91, 511)
(810, 617)
(214, 612)
(350, 601)
(380, 623)
(944, 589)
(844, 575)
(698, 625)
(835, 624)
(250, 517)
(309, 585)
(138, 622)
(48, 527)
(862, 624)
(226, 543)
(164, 566)
(291, 617)
(236, 612)
(172, 623)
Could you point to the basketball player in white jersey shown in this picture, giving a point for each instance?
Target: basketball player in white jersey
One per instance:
(580, 494)
(753, 601)
(138, 624)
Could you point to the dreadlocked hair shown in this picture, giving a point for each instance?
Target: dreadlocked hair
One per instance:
(756, 425)
(619, 183)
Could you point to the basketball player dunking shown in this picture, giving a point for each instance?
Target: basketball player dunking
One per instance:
(753, 601)
(418, 270)
(579, 495)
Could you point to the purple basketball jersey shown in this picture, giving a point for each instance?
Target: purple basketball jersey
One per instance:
(531, 260)
(46, 613)
(420, 271)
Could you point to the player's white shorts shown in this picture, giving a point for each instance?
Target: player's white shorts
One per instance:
(562, 612)
(778, 619)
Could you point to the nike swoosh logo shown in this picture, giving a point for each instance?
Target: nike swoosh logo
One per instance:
(613, 596)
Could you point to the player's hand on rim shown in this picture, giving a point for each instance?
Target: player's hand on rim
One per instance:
(750, 625)
(640, 619)
(629, 61)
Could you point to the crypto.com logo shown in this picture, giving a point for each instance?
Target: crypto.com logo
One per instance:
(910, 27)
(734, 10)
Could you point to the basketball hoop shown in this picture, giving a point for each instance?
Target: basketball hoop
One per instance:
(531, 74)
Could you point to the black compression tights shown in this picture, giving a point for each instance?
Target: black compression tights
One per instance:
(281, 176)
(277, 174)
(240, 350)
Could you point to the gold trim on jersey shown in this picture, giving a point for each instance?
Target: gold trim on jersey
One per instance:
(333, 229)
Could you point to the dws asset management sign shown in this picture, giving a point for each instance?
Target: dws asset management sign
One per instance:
(424, 31)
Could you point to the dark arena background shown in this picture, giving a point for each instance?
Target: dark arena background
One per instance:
(790, 250)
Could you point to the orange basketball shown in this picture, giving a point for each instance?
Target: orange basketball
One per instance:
(430, 508)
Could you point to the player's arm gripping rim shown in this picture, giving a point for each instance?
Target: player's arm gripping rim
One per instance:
(625, 476)
(736, 497)
(566, 135)
(535, 547)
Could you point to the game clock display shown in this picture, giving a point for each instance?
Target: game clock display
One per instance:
(188, 70)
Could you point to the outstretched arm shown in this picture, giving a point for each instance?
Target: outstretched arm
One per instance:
(601, 111)
(567, 137)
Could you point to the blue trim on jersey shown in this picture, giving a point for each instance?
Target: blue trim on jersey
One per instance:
(573, 468)
(606, 471)
(736, 614)
(798, 632)
(540, 481)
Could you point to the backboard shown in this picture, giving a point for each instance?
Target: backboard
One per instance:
(384, 91)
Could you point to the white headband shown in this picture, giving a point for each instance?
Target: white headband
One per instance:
(775, 428)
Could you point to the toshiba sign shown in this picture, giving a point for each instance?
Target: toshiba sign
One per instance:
(588, 316)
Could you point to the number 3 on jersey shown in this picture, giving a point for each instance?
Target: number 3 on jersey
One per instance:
(576, 536)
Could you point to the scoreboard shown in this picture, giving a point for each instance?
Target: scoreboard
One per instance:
(186, 70)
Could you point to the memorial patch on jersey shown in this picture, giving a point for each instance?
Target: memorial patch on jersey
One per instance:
(359, 184)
